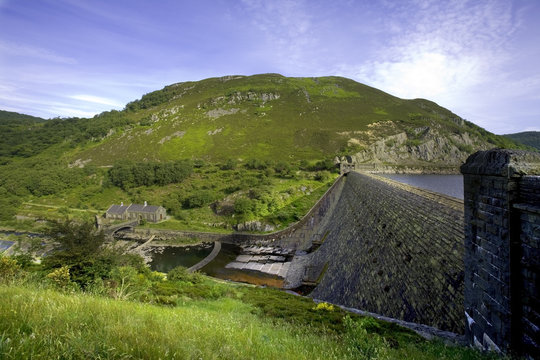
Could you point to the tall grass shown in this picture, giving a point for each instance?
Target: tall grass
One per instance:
(40, 323)
(50, 325)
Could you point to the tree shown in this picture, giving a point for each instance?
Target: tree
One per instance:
(77, 239)
(79, 247)
(121, 175)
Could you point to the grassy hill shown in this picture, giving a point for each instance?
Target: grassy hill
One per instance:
(530, 138)
(266, 116)
(274, 117)
(265, 142)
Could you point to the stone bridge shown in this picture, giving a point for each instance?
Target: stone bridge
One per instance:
(110, 230)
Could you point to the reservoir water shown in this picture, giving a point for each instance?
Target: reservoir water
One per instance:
(451, 185)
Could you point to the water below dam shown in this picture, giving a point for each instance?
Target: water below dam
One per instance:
(4, 245)
(451, 185)
(167, 258)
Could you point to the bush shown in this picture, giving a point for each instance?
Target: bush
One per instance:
(323, 165)
(199, 199)
(230, 164)
(24, 260)
(243, 206)
(180, 273)
(256, 164)
(9, 269)
(60, 277)
(282, 168)
(126, 283)
(323, 176)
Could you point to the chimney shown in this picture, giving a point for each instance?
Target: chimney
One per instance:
(145, 203)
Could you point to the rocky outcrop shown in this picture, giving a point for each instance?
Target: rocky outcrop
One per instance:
(419, 148)
(254, 226)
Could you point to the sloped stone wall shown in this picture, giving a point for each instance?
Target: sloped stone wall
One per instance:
(394, 252)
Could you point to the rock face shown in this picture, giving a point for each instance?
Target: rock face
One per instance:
(423, 146)
(254, 226)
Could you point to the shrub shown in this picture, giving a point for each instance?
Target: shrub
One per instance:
(180, 273)
(323, 165)
(24, 260)
(324, 306)
(60, 277)
(282, 168)
(199, 199)
(256, 164)
(323, 176)
(242, 206)
(9, 268)
(230, 164)
(126, 283)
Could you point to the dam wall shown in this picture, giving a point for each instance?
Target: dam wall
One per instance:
(502, 257)
(393, 251)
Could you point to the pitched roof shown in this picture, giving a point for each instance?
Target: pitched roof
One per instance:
(143, 208)
(117, 209)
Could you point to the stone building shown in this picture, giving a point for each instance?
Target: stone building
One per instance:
(346, 164)
(146, 212)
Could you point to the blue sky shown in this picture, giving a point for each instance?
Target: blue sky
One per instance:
(479, 58)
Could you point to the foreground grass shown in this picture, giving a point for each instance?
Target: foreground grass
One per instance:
(46, 324)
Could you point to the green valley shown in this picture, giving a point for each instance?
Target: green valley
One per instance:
(265, 142)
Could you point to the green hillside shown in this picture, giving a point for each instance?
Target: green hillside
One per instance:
(14, 118)
(530, 138)
(272, 117)
(223, 152)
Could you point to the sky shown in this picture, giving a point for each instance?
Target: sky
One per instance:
(478, 58)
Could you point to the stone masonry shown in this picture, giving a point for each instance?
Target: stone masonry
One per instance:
(502, 257)
(394, 252)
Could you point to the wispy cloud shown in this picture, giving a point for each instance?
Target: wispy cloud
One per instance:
(28, 51)
(72, 112)
(454, 52)
(287, 28)
(446, 47)
(96, 100)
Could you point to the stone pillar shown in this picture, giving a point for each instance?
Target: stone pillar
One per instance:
(495, 284)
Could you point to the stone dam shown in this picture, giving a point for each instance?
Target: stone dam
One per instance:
(387, 248)
(377, 245)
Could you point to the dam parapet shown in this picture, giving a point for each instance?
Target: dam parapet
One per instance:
(502, 256)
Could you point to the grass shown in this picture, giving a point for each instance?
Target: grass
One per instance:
(52, 325)
(255, 324)
(134, 313)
